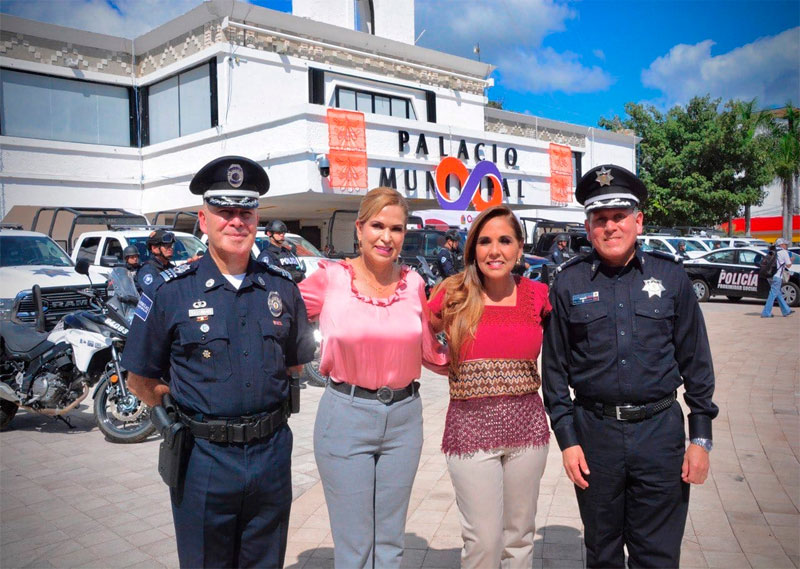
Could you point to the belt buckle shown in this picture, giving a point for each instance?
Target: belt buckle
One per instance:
(385, 395)
(620, 408)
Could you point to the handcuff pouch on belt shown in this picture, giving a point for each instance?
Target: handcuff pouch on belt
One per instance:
(173, 451)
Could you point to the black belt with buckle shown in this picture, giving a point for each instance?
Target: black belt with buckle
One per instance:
(627, 412)
(385, 395)
(238, 429)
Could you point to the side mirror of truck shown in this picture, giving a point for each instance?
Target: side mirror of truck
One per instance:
(82, 267)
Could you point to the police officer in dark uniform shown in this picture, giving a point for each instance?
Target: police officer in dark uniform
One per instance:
(447, 258)
(280, 253)
(162, 245)
(561, 252)
(224, 331)
(625, 331)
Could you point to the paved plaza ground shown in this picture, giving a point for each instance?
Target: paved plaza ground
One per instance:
(68, 498)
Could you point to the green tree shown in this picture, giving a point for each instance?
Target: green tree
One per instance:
(785, 164)
(752, 124)
(696, 162)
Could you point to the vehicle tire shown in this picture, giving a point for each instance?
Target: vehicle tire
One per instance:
(312, 374)
(122, 422)
(7, 412)
(701, 290)
(734, 298)
(791, 293)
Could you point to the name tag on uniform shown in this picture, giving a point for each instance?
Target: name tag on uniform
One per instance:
(585, 298)
(201, 312)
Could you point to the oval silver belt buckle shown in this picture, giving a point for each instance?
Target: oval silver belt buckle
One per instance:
(385, 395)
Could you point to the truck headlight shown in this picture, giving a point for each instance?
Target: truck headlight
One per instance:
(6, 308)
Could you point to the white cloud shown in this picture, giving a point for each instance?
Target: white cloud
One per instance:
(125, 18)
(546, 70)
(599, 54)
(510, 34)
(766, 69)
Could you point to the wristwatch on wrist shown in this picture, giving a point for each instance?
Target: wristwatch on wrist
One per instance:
(707, 444)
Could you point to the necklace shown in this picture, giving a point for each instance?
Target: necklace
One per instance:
(369, 280)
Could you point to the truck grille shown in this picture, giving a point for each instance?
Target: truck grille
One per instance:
(57, 302)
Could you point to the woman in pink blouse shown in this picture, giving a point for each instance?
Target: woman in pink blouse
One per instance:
(496, 433)
(368, 432)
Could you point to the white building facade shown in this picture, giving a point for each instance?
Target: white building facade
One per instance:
(90, 120)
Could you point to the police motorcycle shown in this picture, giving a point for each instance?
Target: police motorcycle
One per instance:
(311, 369)
(429, 277)
(51, 373)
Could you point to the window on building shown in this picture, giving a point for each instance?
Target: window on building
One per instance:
(369, 102)
(70, 110)
(182, 104)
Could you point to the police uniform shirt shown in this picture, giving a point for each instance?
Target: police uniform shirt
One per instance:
(444, 258)
(284, 258)
(224, 351)
(628, 335)
(148, 276)
(558, 256)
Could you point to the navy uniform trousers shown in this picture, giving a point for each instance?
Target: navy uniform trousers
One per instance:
(240, 495)
(635, 494)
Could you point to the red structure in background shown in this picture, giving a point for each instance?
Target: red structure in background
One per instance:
(560, 173)
(347, 141)
(767, 228)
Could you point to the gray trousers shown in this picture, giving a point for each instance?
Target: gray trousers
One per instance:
(367, 454)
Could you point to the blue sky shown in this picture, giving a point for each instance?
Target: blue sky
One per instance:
(567, 60)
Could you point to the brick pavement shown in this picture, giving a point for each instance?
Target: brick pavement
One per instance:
(68, 498)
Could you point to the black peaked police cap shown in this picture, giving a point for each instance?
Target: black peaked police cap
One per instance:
(610, 186)
(231, 181)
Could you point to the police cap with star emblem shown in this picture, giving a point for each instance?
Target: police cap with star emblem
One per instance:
(231, 181)
(609, 186)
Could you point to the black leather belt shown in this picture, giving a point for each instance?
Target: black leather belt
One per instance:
(385, 395)
(627, 412)
(238, 429)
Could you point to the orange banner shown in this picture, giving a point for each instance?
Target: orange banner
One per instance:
(347, 140)
(560, 174)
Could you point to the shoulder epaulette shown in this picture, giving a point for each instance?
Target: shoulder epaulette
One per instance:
(570, 262)
(275, 270)
(175, 272)
(665, 255)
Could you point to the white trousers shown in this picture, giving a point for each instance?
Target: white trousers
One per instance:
(496, 493)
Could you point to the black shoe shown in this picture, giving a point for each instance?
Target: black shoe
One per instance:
(788, 313)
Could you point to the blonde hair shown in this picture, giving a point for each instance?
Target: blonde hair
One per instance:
(377, 199)
(463, 298)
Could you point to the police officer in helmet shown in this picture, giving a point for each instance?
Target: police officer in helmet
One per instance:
(279, 252)
(561, 252)
(224, 332)
(447, 258)
(624, 333)
(131, 256)
(161, 244)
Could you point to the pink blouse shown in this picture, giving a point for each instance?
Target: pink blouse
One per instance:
(371, 342)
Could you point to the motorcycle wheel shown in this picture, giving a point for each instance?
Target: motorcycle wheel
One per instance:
(122, 422)
(7, 412)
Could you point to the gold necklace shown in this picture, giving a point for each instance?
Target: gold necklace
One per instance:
(371, 282)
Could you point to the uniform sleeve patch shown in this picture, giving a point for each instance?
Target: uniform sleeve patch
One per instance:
(143, 308)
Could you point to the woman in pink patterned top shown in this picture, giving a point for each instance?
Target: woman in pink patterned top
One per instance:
(368, 432)
(496, 434)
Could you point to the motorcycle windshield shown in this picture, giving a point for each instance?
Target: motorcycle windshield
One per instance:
(125, 296)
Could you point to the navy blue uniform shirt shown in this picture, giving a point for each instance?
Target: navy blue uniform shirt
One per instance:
(224, 351)
(285, 258)
(147, 278)
(625, 335)
(444, 259)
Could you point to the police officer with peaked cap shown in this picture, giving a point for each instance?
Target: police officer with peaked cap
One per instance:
(280, 253)
(625, 332)
(224, 332)
(447, 257)
(161, 245)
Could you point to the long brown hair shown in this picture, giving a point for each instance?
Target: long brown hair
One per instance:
(463, 305)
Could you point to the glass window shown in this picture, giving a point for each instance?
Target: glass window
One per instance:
(721, 257)
(31, 250)
(659, 245)
(88, 249)
(412, 244)
(141, 244)
(187, 246)
(432, 243)
(364, 102)
(347, 99)
(53, 108)
(180, 105)
(399, 108)
(304, 247)
(383, 105)
(112, 247)
(749, 258)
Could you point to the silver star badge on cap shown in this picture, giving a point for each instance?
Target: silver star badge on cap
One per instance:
(604, 177)
(235, 175)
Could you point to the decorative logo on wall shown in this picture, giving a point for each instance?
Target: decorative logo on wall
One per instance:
(560, 174)
(347, 140)
(470, 184)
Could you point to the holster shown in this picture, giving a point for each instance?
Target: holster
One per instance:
(173, 454)
(294, 395)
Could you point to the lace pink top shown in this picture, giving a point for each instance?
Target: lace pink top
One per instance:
(371, 342)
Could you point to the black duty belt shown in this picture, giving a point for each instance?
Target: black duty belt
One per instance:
(238, 429)
(626, 412)
(385, 395)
